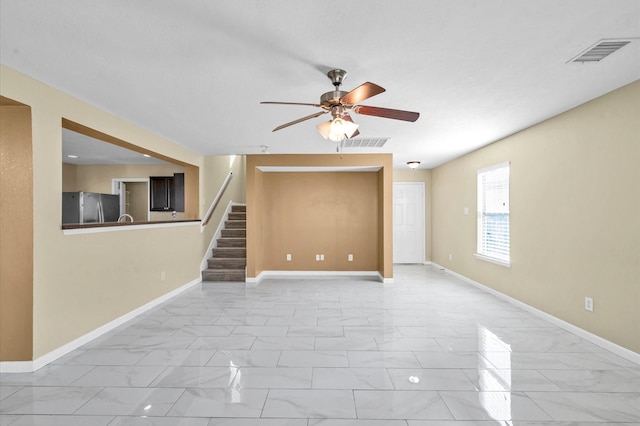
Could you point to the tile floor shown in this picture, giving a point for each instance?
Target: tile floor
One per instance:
(427, 350)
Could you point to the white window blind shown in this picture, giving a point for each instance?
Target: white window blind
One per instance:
(493, 214)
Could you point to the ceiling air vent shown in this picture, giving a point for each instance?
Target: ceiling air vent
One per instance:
(600, 50)
(364, 142)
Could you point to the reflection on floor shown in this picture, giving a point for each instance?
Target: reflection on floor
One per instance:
(427, 350)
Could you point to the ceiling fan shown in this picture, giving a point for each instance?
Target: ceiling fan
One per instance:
(339, 103)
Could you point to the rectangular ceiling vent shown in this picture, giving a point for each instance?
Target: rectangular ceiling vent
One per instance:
(364, 143)
(600, 50)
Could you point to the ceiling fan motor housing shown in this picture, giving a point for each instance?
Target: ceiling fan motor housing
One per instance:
(330, 99)
(337, 76)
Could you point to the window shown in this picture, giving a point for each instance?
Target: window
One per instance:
(493, 214)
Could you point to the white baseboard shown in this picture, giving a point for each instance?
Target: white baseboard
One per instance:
(586, 335)
(316, 275)
(254, 280)
(30, 366)
(384, 280)
(16, 367)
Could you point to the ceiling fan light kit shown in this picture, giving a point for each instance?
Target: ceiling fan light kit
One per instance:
(338, 103)
(337, 130)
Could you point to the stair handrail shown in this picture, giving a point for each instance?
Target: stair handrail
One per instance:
(215, 201)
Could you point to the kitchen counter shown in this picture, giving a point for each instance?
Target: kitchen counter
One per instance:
(123, 224)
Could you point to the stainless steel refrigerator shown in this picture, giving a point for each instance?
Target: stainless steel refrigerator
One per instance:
(89, 207)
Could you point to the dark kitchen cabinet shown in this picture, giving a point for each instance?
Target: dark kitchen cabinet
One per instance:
(178, 191)
(161, 193)
(167, 192)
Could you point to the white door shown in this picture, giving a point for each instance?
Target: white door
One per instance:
(408, 222)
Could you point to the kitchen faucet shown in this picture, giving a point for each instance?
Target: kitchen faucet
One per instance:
(123, 218)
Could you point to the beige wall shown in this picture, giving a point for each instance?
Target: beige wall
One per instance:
(98, 178)
(420, 175)
(138, 200)
(16, 231)
(333, 214)
(69, 183)
(575, 216)
(81, 282)
(333, 196)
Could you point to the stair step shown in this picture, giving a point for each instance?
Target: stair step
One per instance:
(232, 242)
(234, 233)
(223, 275)
(235, 224)
(230, 252)
(226, 263)
(238, 216)
(229, 259)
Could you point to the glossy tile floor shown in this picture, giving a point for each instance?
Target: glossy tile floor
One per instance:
(427, 350)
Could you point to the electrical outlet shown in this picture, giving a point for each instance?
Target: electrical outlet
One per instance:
(288, 257)
(450, 256)
(322, 257)
(466, 210)
(317, 258)
(588, 304)
(163, 276)
(350, 258)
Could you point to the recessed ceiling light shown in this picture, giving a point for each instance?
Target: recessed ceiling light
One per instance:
(72, 156)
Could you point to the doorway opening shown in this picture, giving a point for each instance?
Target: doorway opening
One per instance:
(134, 197)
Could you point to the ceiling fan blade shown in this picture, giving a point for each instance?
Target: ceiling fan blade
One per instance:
(347, 117)
(299, 120)
(360, 93)
(395, 114)
(290, 103)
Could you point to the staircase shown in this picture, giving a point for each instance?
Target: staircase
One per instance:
(229, 259)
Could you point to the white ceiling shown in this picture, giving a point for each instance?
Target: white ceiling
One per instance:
(195, 72)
